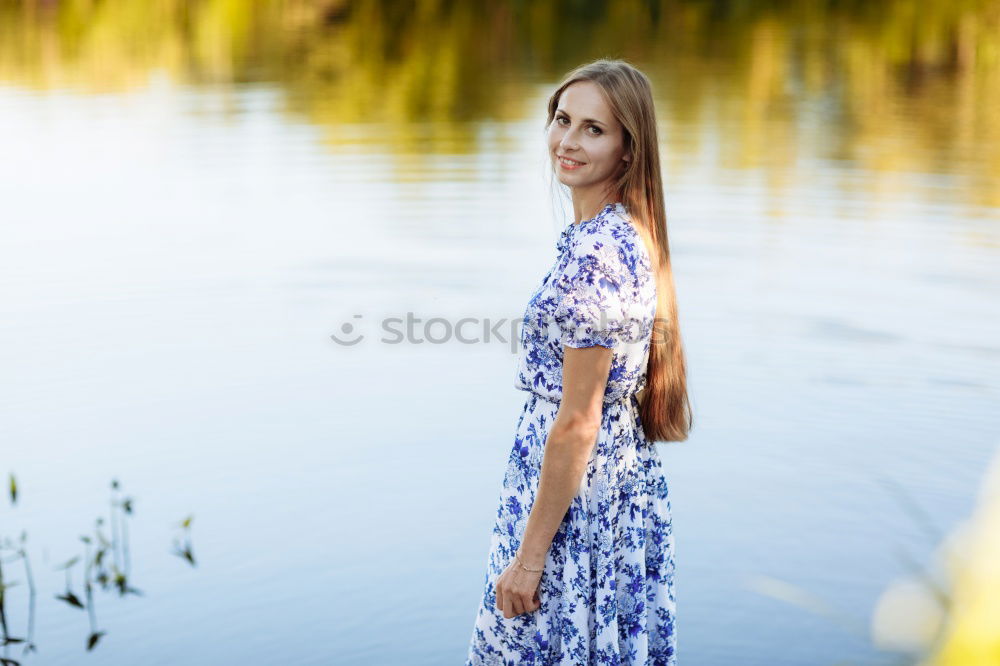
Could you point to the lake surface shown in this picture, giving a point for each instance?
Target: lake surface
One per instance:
(188, 214)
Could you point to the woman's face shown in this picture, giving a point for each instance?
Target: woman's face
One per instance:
(584, 130)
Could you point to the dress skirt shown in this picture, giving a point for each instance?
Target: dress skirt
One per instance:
(607, 589)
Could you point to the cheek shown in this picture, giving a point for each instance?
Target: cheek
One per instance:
(601, 154)
(554, 135)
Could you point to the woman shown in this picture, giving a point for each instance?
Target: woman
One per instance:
(581, 563)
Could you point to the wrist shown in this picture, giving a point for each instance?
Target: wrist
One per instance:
(532, 557)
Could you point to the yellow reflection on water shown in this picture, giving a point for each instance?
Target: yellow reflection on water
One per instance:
(892, 86)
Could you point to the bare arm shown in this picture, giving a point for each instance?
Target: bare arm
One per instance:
(568, 447)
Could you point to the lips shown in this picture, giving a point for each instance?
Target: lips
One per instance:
(569, 163)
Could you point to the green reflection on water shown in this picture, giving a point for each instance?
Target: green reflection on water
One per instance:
(896, 86)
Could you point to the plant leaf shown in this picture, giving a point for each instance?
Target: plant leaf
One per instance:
(92, 641)
(71, 599)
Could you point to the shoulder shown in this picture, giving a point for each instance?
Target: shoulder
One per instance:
(610, 235)
(612, 223)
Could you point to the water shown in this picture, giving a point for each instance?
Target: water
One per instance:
(179, 244)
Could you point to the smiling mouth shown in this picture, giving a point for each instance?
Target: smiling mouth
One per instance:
(568, 162)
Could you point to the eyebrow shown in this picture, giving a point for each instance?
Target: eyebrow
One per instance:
(586, 120)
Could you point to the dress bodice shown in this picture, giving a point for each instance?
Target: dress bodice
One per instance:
(600, 291)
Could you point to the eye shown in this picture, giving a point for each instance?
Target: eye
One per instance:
(597, 130)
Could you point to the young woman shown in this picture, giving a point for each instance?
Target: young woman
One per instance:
(581, 562)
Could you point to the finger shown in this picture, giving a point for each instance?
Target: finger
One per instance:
(508, 607)
(499, 595)
(518, 604)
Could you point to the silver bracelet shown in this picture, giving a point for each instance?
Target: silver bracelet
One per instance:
(518, 558)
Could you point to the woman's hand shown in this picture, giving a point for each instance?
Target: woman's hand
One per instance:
(517, 589)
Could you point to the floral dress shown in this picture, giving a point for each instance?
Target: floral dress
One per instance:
(607, 588)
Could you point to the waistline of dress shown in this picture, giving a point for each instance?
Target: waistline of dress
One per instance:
(624, 400)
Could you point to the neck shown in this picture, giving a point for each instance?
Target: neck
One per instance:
(588, 208)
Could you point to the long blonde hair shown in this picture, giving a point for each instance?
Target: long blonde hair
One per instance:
(665, 409)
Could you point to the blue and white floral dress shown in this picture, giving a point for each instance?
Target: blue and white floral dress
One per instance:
(607, 588)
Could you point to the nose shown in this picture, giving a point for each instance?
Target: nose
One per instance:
(568, 142)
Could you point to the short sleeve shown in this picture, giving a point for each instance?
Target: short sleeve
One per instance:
(594, 293)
